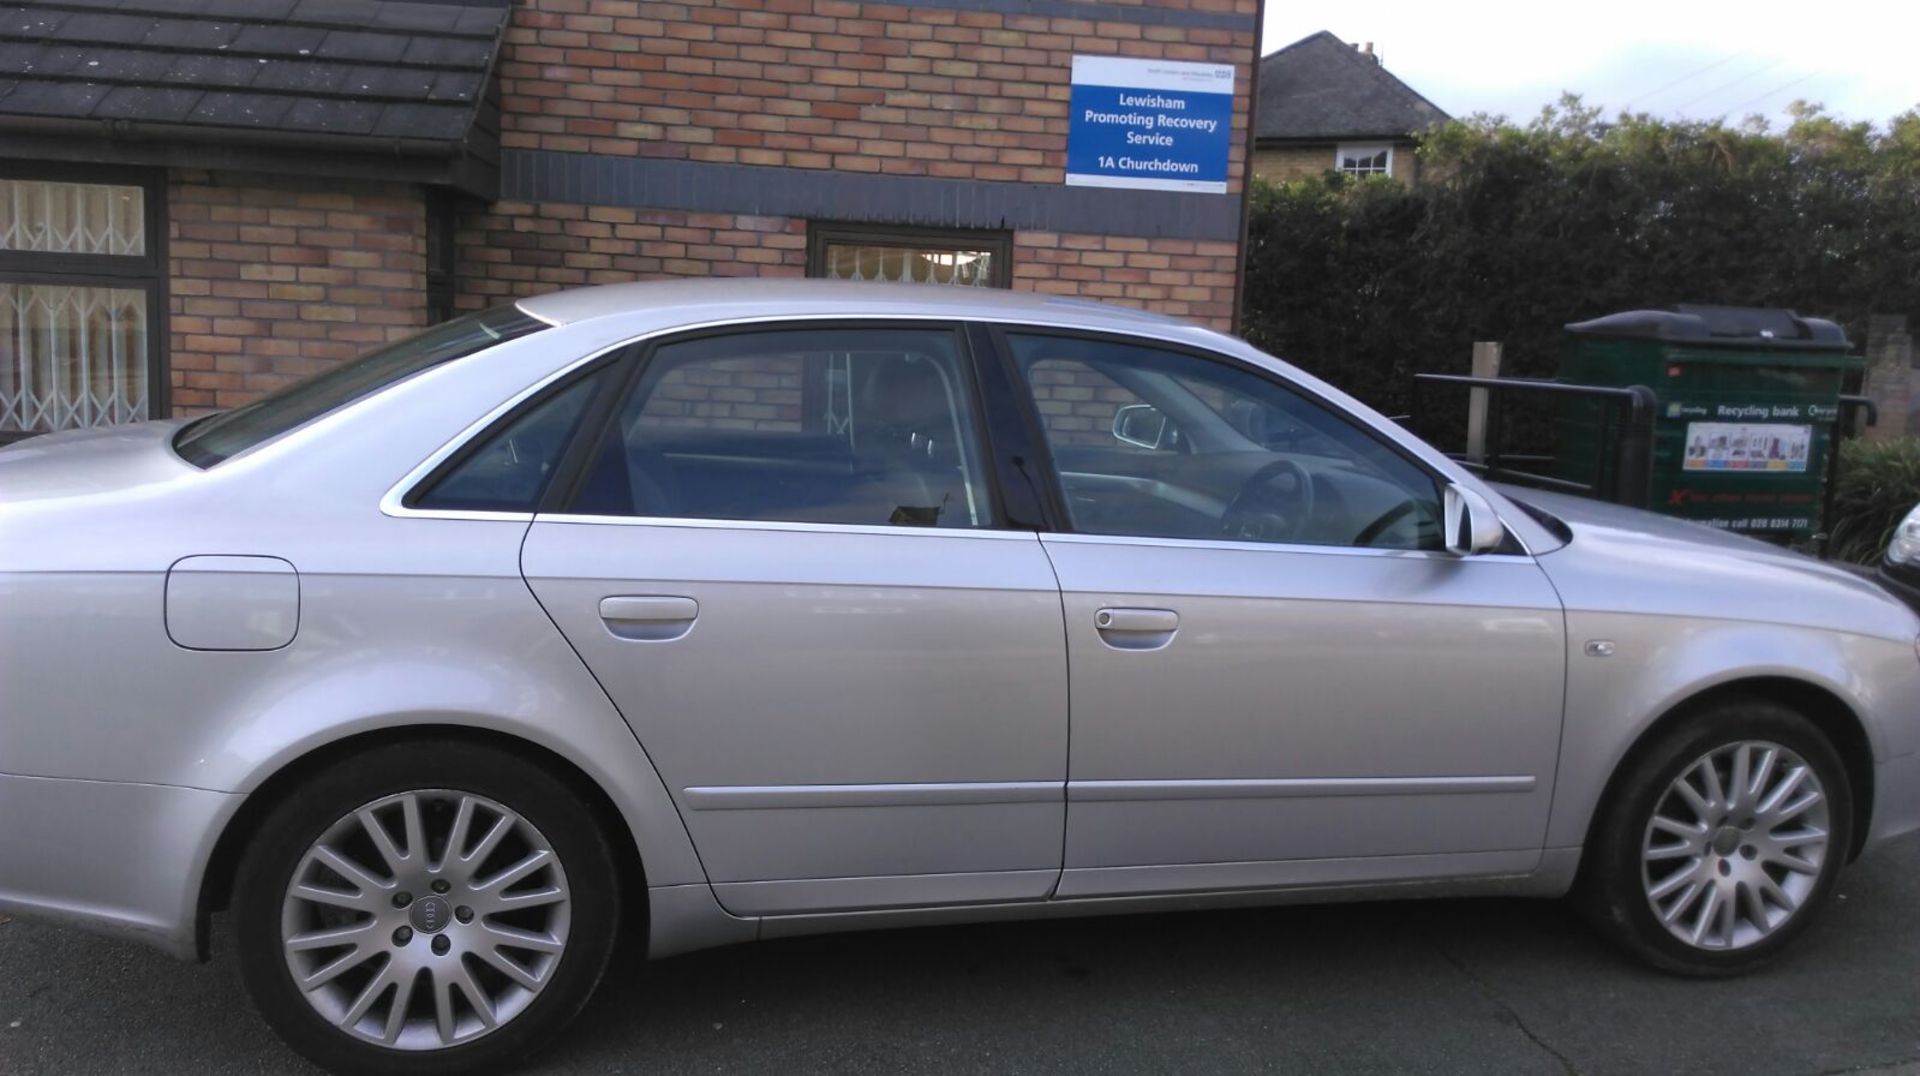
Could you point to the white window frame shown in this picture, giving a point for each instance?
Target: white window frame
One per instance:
(1362, 149)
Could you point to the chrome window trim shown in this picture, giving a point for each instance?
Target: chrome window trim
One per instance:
(701, 523)
(392, 503)
(1228, 544)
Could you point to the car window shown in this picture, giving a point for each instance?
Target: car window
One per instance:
(1081, 406)
(855, 426)
(1158, 443)
(508, 469)
(210, 440)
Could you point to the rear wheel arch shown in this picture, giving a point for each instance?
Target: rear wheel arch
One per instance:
(1831, 714)
(217, 880)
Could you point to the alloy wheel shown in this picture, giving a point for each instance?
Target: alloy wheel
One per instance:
(1736, 845)
(425, 919)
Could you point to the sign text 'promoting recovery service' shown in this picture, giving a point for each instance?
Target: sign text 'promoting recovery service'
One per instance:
(1150, 124)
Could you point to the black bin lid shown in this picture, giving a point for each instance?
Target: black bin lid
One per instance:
(1698, 325)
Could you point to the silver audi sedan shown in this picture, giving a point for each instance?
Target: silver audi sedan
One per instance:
(714, 611)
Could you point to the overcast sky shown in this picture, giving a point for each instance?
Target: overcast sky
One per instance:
(1677, 58)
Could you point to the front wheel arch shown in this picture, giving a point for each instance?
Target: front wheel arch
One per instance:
(217, 881)
(1829, 713)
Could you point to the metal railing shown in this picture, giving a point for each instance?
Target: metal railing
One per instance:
(1629, 479)
(1624, 469)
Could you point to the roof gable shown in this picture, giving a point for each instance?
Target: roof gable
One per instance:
(378, 77)
(1322, 88)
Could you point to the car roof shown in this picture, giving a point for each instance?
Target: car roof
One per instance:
(727, 297)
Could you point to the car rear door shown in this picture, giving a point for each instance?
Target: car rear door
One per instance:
(784, 561)
(1269, 690)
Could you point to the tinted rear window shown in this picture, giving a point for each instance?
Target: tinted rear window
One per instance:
(210, 440)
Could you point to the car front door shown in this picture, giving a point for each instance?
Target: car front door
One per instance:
(1278, 677)
(783, 562)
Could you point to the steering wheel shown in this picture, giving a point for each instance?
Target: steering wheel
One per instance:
(1273, 505)
(1372, 531)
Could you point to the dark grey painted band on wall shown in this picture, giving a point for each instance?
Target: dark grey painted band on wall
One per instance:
(817, 194)
(1139, 15)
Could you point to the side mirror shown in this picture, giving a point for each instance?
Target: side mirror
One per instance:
(1140, 425)
(1472, 526)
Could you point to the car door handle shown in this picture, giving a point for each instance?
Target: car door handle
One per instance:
(1136, 629)
(649, 618)
(1136, 620)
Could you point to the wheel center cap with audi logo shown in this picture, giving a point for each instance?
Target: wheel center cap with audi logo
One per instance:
(430, 915)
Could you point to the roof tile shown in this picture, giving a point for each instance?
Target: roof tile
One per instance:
(166, 7)
(363, 47)
(370, 81)
(428, 122)
(373, 69)
(455, 86)
(438, 18)
(300, 78)
(204, 70)
(481, 19)
(22, 57)
(254, 10)
(336, 12)
(279, 40)
(191, 34)
(106, 28)
(449, 51)
(332, 116)
(35, 24)
(63, 60)
(242, 109)
(1320, 87)
(126, 65)
(53, 98)
(151, 104)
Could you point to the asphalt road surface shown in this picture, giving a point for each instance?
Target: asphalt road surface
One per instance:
(1449, 986)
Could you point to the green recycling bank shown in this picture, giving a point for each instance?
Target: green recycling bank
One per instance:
(1747, 403)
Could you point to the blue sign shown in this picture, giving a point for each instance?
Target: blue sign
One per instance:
(1150, 124)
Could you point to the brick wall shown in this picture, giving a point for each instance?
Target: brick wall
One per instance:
(1182, 277)
(756, 393)
(1291, 163)
(818, 84)
(271, 281)
(1286, 164)
(1078, 403)
(515, 249)
(824, 83)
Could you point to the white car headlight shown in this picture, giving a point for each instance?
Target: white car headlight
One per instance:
(1905, 546)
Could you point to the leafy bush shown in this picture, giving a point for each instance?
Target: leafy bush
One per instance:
(1879, 483)
(1515, 231)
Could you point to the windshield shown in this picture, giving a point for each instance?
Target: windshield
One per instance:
(208, 441)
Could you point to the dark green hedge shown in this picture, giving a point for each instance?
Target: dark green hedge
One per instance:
(1517, 230)
(1879, 483)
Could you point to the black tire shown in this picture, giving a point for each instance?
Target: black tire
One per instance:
(305, 814)
(1612, 889)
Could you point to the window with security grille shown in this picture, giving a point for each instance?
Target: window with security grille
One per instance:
(80, 292)
(910, 256)
(1364, 160)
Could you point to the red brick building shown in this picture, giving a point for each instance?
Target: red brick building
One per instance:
(203, 199)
